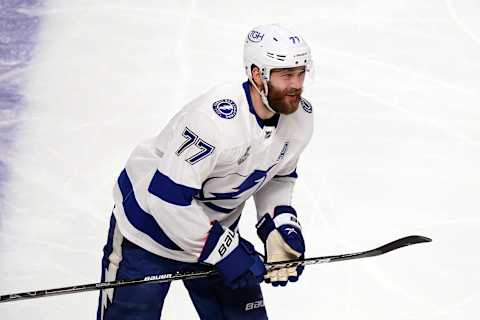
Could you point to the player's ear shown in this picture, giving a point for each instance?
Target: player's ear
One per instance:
(257, 76)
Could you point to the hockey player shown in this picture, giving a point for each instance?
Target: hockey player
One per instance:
(179, 199)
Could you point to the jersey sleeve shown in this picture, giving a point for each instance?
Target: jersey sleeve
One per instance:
(278, 191)
(160, 181)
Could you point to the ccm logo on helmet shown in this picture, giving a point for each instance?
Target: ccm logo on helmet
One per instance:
(255, 36)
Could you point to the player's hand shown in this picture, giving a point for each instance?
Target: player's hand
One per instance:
(282, 236)
(235, 259)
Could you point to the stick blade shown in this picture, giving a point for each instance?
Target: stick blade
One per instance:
(402, 242)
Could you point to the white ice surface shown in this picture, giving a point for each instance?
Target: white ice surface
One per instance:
(396, 149)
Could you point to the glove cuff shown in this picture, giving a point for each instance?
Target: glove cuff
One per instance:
(220, 244)
(265, 226)
(284, 209)
(231, 255)
(282, 215)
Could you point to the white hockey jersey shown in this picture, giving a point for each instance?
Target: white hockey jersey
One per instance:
(209, 159)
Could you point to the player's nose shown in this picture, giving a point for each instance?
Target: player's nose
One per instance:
(296, 82)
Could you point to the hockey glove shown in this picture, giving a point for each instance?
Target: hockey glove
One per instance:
(283, 241)
(235, 259)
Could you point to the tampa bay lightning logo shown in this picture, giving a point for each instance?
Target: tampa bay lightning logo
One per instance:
(225, 108)
(306, 106)
(244, 184)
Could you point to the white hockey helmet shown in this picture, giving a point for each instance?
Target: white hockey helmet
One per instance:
(271, 47)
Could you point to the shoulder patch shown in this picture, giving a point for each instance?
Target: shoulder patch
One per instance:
(306, 105)
(225, 108)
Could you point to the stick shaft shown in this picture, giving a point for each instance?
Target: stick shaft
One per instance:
(167, 277)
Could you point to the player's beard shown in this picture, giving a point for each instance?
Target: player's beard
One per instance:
(284, 101)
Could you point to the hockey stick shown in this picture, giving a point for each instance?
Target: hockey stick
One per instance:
(167, 277)
(397, 244)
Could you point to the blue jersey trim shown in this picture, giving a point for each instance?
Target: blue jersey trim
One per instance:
(140, 219)
(292, 174)
(108, 248)
(218, 208)
(246, 87)
(170, 191)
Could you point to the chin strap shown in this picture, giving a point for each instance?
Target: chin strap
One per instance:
(262, 94)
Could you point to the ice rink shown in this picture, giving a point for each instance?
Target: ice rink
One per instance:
(396, 148)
